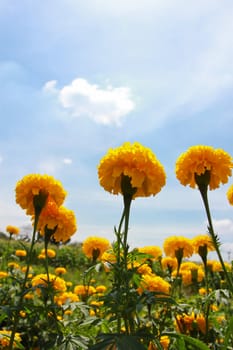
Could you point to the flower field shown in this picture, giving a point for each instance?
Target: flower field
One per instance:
(102, 295)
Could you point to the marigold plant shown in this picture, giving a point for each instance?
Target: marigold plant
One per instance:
(12, 230)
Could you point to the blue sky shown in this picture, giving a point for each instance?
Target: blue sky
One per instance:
(78, 77)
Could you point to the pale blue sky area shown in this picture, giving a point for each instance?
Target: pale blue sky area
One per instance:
(78, 77)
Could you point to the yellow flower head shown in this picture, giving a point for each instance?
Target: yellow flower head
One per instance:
(202, 241)
(152, 250)
(82, 290)
(20, 253)
(12, 230)
(34, 185)
(57, 283)
(169, 263)
(60, 270)
(59, 219)
(65, 297)
(198, 159)
(94, 247)
(154, 283)
(3, 274)
(175, 243)
(191, 273)
(5, 339)
(135, 161)
(230, 195)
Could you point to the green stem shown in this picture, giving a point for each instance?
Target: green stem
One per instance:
(203, 191)
(23, 288)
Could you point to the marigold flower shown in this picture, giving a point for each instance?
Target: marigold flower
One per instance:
(101, 289)
(60, 270)
(5, 339)
(35, 184)
(50, 253)
(186, 323)
(13, 265)
(84, 290)
(20, 253)
(169, 263)
(135, 161)
(154, 283)
(65, 297)
(12, 230)
(59, 219)
(230, 195)
(152, 250)
(175, 243)
(3, 274)
(164, 341)
(191, 273)
(94, 247)
(57, 283)
(200, 242)
(199, 159)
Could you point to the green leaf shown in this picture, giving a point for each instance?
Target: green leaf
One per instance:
(228, 334)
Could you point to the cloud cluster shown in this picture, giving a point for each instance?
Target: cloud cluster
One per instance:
(83, 99)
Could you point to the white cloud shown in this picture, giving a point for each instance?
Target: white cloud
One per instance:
(102, 105)
(67, 161)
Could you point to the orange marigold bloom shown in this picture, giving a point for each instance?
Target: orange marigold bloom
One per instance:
(138, 163)
(175, 243)
(164, 341)
(230, 195)
(5, 339)
(84, 290)
(186, 323)
(60, 270)
(154, 283)
(169, 263)
(50, 252)
(12, 230)
(20, 252)
(152, 250)
(59, 219)
(65, 297)
(42, 280)
(35, 184)
(202, 241)
(3, 274)
(191, 273)
(199, 159)
(94, 247)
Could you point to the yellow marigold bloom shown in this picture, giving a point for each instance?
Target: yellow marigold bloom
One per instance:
(3, 274)
(169, 263)
(101, 289)
(12, 230)
(175, 243)
(20, 253)
(143, 269)
(138, 163)
(230, 195)
(5, 339)
(186, 323)
(41, 280)
(203, 291)
(84, 290)
(50, 252)
(201, 242)
(164, 341)
(154, 283)
(13, 265)
(191, 273)
(33, 185)
(65, 297)
(198, 159)
(94, 247)
(60, 270)
(28, 296)
(152, 250)
(217, 267)
(59, 219)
